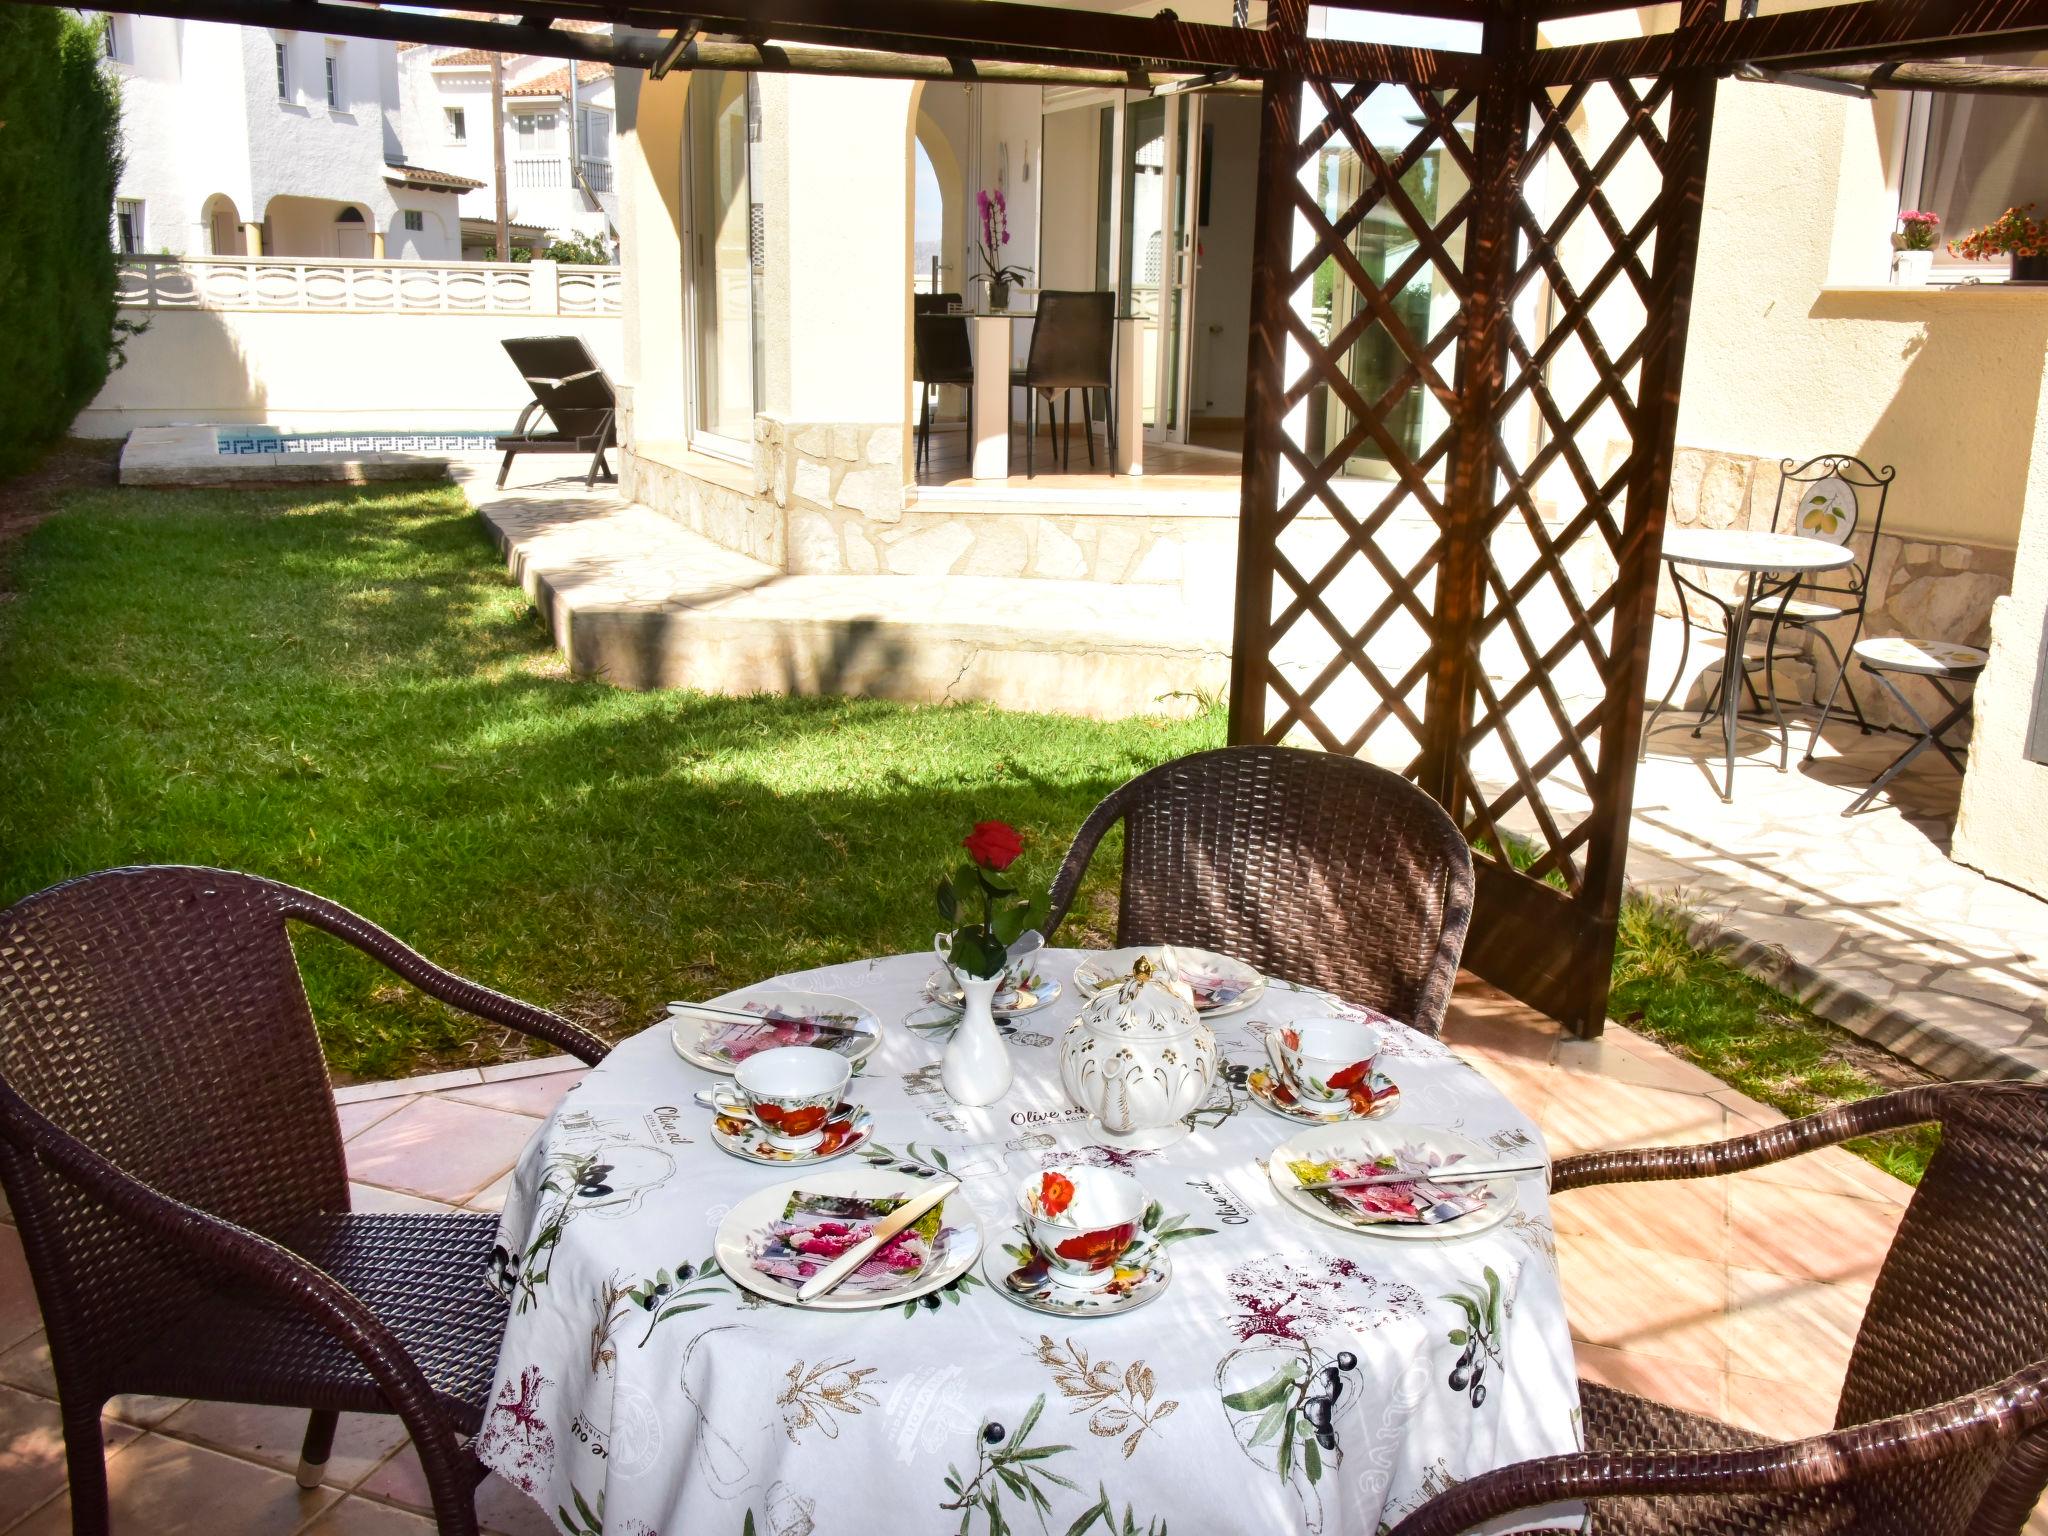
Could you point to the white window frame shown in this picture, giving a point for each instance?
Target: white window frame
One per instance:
(1918, 115)
(457, 121)
(336, 81)
(134, 211)
(590, 115)
(120, 42)
(281, 53)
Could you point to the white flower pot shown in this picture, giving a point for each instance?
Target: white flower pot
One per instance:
(976, 1069)
(1910, 268)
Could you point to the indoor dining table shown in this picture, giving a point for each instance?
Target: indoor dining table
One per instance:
(640, 1392)
(995, 346)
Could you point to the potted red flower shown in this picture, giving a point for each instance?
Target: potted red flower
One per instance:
(1913, 247)
(2015, 234)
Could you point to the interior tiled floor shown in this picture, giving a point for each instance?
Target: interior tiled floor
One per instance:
(1168, 466)
(1736, 1297)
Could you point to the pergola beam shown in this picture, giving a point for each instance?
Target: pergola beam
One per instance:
(1960, 79)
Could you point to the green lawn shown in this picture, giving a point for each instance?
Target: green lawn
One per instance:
(342, 690)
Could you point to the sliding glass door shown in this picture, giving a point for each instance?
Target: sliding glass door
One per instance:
(1156, 266)
(724, 258)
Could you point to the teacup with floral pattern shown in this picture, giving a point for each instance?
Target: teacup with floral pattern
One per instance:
(1324, 1061)
(790, 1092)
(1081, 1221)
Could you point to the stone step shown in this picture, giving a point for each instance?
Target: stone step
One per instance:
(633, 597)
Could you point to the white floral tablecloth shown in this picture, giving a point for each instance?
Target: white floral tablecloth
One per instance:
(639, 1396)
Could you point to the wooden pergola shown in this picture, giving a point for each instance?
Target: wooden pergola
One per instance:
(1548, 898)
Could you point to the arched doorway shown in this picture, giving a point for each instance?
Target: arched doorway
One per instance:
(937, 195)
(351, 233)
(222, 227)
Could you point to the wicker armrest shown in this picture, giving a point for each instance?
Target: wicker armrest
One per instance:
(236, 1252)
(454, 990)
(1105, 815)
(1887, 1112)
(2014, 1407)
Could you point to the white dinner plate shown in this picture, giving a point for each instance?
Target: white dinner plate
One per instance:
(1354, 1138)
(1221, 985)
(720, 1045)
(738, 1238)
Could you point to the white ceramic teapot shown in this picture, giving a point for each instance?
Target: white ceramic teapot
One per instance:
(1139, 1058)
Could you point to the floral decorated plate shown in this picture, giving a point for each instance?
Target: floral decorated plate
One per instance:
(777, 1238)
(787, 1018)
(1016, 997)
(1274, 1096)
(850, 1128)
(1412, 1212)
(1142, 1275)
(1218, 984)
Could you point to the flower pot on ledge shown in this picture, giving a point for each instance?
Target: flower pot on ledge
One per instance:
(2029, 269)
(1910, 268)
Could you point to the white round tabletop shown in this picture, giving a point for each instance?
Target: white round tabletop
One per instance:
(1326, 1381)
(1746, 549)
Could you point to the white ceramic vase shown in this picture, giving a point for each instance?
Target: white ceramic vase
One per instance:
(1910, 269)
(976, 1070)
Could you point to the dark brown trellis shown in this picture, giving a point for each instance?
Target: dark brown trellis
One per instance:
(1480, 616)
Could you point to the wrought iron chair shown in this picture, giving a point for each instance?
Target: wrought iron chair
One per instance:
(1073, 340)
(171, 1152)
(940, 353)
(1826, 505)
(1313, 867)
(1942, 1428)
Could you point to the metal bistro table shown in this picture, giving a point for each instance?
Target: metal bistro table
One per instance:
(1772, 565)
(640, 1390)
(989, 431)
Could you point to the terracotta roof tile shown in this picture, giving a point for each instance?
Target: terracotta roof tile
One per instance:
(556, 82)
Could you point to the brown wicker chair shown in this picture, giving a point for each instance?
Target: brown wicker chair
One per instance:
(1942, 1429)
(1313, 867)
(173, 1158)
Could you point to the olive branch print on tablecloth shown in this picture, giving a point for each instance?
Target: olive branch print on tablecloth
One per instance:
(918, 1162)
(1102, 1511)
(1003, 1461)
(815, 1396)
(1118, 1402)
(952, 1291)
(571, 1176)
(614, 1301)
(690, 1288)
(1479, 1337)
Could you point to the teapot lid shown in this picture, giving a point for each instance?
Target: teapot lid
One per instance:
(1149, 1002)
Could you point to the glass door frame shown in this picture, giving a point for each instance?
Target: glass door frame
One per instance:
(698, 437)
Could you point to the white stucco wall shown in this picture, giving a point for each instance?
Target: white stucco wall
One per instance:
(304, 370)
(648, 156)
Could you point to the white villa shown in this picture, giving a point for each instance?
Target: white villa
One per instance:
(242, 141)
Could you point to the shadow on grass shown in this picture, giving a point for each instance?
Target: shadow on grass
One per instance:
(342, 690)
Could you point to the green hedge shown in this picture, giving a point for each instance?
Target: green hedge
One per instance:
(60, 156)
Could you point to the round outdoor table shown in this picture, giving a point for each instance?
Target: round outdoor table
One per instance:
(635, 1392)
(1772, 565)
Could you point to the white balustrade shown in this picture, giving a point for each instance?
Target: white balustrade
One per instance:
(404, 287)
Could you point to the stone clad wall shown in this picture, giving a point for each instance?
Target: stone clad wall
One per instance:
(1918, 587)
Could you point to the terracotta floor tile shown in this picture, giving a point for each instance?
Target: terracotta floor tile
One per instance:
(1806, 1234)
(32, 1451)
(360, 1517)
(1643, 1302)
(1605, 1059)
(439, 1149)
(1688, 1217)
(19, 1314)
(501, 1509)
(1781, 1409)
(1586, 1113)
(27, 1366)
(369, 1198)
(1697, 1388)
(521, 1095)
(1832, 1171)
(273, 1436)
(163, 1487)
(1795, 1331)
(359, 1117)
(1482, 1019)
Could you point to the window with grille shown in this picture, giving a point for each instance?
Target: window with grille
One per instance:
(458, 124)
(415, 220)
(281, 51)
(337, 94)
(128, 228)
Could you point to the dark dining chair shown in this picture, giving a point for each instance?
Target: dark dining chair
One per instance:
(170, 1149)
(1073, 340)
(940, 353)
(1312, 867)
(1942, 1427)
(1827, 498)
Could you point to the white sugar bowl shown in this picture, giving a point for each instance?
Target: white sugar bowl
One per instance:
(1139, 1059)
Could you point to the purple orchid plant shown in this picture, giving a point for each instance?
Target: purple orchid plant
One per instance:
(995, 234)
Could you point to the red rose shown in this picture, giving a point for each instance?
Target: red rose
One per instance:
(993, 844)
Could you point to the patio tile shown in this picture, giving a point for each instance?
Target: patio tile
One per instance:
(1686, 1217)
(32, 1452)
(433, 1082)
(1695, 1388)
(369, 1197)
(533, 1066)
(439, 1149)
(360, 1517)
(501, 1509)
(1781, 1409)
(27, 1366)
(1795, 1331)
(273, 1436)
(1603, 1058)
(520, 1095)
(364, 1113)
(491, 1197)
(19, 1315)
(1643, 1302)
(1587, 1112)
(1805, 1234)
(165, 1487)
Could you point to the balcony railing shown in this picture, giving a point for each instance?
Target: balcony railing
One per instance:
(531, 171)
(311, 283)
(597, 174)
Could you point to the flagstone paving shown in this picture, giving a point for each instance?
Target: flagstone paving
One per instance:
(1738, 1297)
